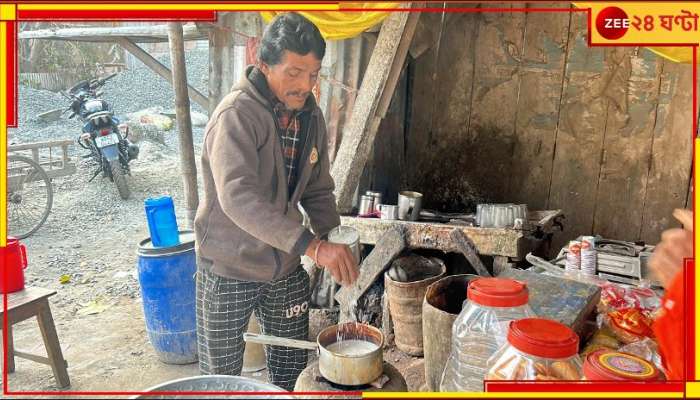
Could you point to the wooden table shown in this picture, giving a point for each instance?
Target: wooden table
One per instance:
(504, 244)
(25, 304)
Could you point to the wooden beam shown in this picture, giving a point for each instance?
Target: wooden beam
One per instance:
(139, 33)
(468, 250)
(31, 357)
(392, 243)
(222, 57)
(53, 347)
(372, 101)
(188, 166)
(50, 143)
(161, 69)
(217, 44)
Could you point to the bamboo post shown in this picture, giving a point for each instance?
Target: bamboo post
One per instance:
(371, 104)
(184, 121)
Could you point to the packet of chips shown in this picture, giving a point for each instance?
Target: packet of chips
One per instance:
(630, 325)
(616, 297)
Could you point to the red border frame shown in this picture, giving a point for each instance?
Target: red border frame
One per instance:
(122, 15)
(11, 77)
(210, 15)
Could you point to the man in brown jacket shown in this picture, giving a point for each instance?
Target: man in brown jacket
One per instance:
(265, 152)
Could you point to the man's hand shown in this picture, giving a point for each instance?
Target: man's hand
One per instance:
(676, 245)
(337, 258)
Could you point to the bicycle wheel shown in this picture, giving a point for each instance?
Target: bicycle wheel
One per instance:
(29, 196)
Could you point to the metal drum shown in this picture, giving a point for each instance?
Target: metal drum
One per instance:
(406, 303)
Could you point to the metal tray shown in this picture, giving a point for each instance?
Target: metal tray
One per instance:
(214, 384)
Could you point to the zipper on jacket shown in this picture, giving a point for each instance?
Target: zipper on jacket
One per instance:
(312, 119)
(279, 140)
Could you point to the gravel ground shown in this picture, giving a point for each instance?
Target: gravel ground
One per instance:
(130, 91)
(152, 89)
(32, 102)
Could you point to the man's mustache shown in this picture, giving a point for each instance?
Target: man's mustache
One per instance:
(299, 94)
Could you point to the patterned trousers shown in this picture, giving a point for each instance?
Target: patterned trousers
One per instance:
(224, 307)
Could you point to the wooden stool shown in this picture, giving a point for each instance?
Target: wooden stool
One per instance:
(22, 305)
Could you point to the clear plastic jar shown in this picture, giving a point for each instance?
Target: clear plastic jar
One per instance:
(480, 329)
(537, 349)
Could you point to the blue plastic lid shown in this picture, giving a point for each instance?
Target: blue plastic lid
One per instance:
(158, 201)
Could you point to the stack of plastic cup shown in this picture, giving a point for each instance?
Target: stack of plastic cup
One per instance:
(589, 257)
(573, 256)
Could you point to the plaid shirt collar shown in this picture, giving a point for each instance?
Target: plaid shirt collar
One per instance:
(289, 128)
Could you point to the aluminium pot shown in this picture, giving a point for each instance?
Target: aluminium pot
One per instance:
(342, 369)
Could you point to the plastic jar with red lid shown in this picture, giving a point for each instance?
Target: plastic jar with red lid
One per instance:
(480, 329)
(537, 349)
(608, 365)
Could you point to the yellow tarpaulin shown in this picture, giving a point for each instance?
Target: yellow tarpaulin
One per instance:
(677, 54)
(335, 25)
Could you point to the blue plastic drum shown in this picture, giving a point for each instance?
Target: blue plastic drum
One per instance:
(167, 279)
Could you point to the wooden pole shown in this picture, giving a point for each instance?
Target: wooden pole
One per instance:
(371, 104)
(184, 122)
(216, 59)
(161, 69)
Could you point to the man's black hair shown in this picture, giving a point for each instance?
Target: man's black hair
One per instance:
(293, 32)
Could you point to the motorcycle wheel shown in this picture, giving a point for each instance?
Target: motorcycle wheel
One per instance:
(119, 178)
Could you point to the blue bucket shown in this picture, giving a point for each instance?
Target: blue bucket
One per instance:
(167, 279)
(160, 213)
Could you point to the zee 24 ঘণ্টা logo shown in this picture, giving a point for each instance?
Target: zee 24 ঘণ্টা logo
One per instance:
(613, 22)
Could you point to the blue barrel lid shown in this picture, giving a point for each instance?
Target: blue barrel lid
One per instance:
(146, 248)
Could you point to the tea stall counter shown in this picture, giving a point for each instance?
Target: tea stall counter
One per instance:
(505, 244)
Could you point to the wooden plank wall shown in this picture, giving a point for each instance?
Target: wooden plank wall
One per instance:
(515, 107)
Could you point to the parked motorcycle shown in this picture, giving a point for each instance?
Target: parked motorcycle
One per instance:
(102, 134)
